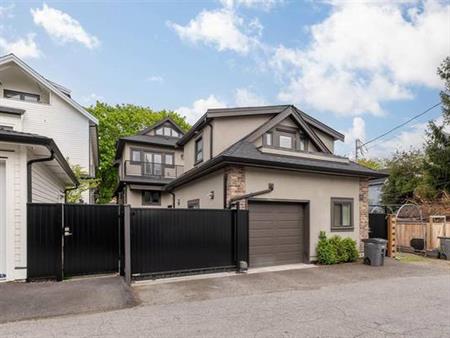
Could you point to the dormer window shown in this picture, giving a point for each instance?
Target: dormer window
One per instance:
(167, 131)
(286, 139)
(22, 96)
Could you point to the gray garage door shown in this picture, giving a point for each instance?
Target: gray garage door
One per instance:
(276, 233)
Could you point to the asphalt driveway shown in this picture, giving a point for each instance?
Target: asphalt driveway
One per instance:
(19, 301)
(397, 300)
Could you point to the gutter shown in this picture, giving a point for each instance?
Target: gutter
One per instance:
(173, 199)
(30, 176)
(236, 199)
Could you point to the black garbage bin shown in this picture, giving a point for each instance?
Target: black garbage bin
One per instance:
(374, 251)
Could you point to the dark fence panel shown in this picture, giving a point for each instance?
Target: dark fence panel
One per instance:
(44, 240)
(91, 243)
(174, 240)
(378, 226)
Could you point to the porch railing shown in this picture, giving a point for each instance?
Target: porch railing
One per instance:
(152, 170)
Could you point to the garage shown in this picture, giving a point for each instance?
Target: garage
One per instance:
(276, 233)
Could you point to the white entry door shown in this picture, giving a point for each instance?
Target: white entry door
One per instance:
(2, 219)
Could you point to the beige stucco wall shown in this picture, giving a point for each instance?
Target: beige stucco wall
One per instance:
(317, 189)
(329, 141)
(229, 130)
(200, 189)
(134, 198)
(189, 148)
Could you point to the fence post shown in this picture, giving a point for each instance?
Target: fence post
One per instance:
(60, 247)
(236, 235)
(127, 240)
(392, 244)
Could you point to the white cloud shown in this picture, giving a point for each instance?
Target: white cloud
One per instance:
(357, 131)
(199, 107)
(365, 54)
(222, 29)
(257, 4)
(6, 11)
(25, 48)
(243, 97)
(62, 27)
(155, 78)
(92, 98)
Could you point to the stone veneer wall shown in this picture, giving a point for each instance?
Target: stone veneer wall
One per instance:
(235, 184)
(363, 211)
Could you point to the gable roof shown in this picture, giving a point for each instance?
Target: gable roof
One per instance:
(263, 110)
(157, 140)
(160, 123)
(289, 111)
(56, 89)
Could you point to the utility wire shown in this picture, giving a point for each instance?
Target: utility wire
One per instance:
(401, 125)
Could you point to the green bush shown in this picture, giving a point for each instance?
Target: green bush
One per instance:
(336, 249)
(326, 254)
(349, 246)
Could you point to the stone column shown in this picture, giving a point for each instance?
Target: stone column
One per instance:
(363, 211)
(235, 184)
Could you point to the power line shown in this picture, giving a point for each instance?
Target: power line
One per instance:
(401, 125)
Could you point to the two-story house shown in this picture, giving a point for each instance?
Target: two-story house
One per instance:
(43, 131)
(147, 162)
(279, 163)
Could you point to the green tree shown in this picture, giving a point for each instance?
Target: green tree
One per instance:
(437, 144)
(405, 175)
(444, 73)
(375, 164)
(86, 183)
(115, 122)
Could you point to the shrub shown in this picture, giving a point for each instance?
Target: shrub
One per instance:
(341, 254)
(349, 246)
(336, 249)
(326, 254)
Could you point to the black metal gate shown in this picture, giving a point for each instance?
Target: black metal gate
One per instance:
(378, 225)
(166, 241)
(91, 239)
(66, 240)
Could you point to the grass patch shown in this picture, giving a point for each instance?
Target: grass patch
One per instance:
(410, 258)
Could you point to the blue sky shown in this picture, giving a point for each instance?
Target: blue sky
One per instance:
(361, 67)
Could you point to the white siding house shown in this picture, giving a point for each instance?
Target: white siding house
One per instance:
(38, 121)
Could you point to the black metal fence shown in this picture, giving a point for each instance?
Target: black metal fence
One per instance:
(166, 241)
(45, 240)
(66, 240)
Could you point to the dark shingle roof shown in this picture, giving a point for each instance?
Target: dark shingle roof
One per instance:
(247, 151)
(145, 139)
(159, 140)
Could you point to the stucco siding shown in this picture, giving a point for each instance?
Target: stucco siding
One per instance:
(189, 148)
(45, 188)
(201, 189)
(134, 198)
(317, 189)
(227, 131)
(326, 139)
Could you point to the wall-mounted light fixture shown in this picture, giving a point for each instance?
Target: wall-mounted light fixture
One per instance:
(211, 195)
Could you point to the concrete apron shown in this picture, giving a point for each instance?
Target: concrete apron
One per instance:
(275, 268)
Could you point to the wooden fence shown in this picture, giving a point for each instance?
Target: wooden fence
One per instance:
(428, 231)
